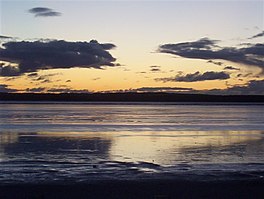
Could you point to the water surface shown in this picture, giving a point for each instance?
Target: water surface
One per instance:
(115, 117)
(71, 143)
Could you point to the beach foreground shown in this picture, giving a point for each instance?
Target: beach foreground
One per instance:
(131, 151)
(157, 189)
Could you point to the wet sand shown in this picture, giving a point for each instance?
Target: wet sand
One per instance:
(156, 189)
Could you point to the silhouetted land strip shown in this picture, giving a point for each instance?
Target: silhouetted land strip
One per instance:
(129, 97)
(152, 189)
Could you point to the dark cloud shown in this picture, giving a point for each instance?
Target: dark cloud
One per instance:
(41, 78)
(203, 44)
(8, 70)
(48, 14)
(197, 76)
(43, 12)
(4, 89)
(32, 75)
(162, 89)
(253, 87)
(45, 81)
(95, 79)
(244, 75)
(56, 89)
(5, 37)
(35, 90)
(153, 89)
(67, 81)
(231, 68)
(154, 69)
(38, 55)
(216, 62)
(67, 90)
(257, 35)
(154, 66)
(207, 49)
(39, 10)
(245, 44)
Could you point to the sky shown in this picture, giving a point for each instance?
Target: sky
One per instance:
(213, 47)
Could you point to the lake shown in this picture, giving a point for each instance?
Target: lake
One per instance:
(85, 142)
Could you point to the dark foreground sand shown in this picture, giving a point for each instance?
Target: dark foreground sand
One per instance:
(156, 189)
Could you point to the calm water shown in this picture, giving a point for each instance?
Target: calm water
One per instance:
(88, 142)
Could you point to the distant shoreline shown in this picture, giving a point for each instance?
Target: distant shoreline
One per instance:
(129, 97)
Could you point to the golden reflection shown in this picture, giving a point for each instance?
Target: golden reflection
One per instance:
(5, 139)
(164, 147)
(8, 138)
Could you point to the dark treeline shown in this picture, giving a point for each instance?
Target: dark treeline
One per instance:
(129, 97)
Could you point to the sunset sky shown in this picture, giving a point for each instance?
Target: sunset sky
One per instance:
(174, 46)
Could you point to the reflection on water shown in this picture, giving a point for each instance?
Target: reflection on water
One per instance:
(83, 142)
(84, 156)
(170, 148)
(5, 140)
(88, 117)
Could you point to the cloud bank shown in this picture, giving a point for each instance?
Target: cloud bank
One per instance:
(207, 49)
(56, 54)
(195, 77)
(67, 90)
(43, 12)
(162, 89)
(35, 90)
(253, 87)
